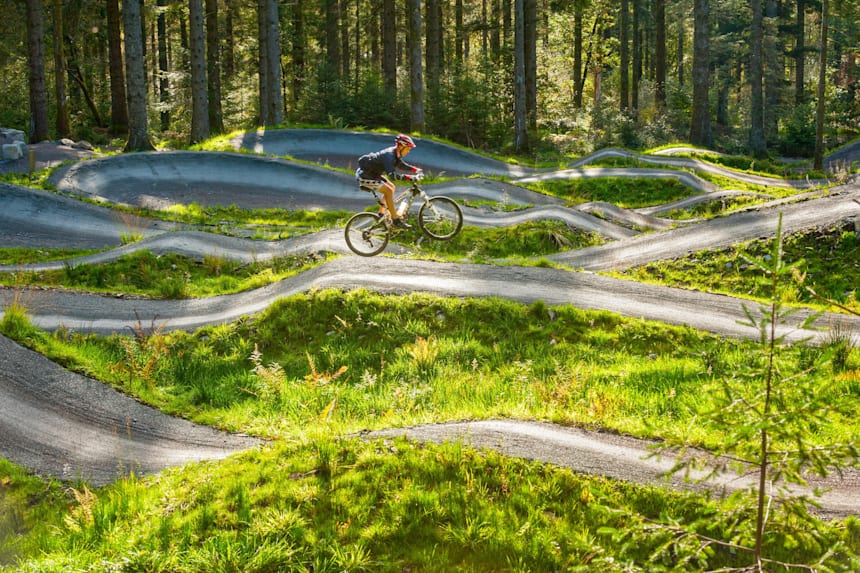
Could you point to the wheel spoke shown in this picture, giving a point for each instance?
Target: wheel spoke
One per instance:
(366, 235)
(440, 218)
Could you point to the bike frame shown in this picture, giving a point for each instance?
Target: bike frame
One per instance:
(409, 195)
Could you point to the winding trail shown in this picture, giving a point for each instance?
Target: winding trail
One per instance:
(64, 425)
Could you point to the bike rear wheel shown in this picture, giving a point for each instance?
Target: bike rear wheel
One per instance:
(366, 234)
(440, 218)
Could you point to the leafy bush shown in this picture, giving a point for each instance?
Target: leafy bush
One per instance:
(797, 132)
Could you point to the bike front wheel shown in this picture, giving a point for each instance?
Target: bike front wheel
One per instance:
(440, 218)
(366, 234)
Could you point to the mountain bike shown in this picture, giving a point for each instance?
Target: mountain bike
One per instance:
(367, 233)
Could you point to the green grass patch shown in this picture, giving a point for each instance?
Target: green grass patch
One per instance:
(629, 193)
(167, 276)
(21, 255)
(830, 259)
(29, 507)
(332, 505)
(526, 240)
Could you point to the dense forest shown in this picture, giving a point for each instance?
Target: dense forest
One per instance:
(524, 76)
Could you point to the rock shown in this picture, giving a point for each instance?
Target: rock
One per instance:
(12, 151)
(85, 145)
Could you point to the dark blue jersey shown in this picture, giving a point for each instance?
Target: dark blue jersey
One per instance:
(385, 161)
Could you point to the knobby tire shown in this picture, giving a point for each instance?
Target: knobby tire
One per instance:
(440, 218)
(363, 236)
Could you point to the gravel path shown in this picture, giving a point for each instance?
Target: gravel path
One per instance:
(61, 424)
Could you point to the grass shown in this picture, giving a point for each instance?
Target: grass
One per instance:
(624, 192)
(167, 276)
(332, 505)
(21, 255)
(831, 263)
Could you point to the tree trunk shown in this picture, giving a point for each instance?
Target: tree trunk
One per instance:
(433, 55)
(332, 39)
(637, 56)
(163, 78)
(118, 103)
(496, 30)
(800, 53)
(38, 90)
(818, 158)
(624, 53)
(213, 68)
(774, 73)
(530, 61)
(520, 109)
(199, 95)
(389, 45)
(660, 59)
(271, 102)
(416, 73)
(135, 72)
(459, 32)
(757, 144)
(343, 13)
(263, 62)
(298, 50)
(63, 126)
(228, 55)
(680, 52)
(700, 125)
(273, 58)
(577, 55)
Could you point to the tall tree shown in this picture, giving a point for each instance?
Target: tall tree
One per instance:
(199, 95)
(818, 157)
(774, 69)
(298, 49)
(459, 32)
(271, 102)
(345, 57)
(332, 38)
(433, 54)
(163, 71)
(637, 56)
(135, 72)
(521, 141)
(577, 55)
(700, 124)
(229, 53)
(118, 103)
(757, 144)
(416, 74)
(389, 45)
(63, 124)
(800, 53)
(213, 68)
(530, 60)
(660, 57)
(38, 89)
(624, 55)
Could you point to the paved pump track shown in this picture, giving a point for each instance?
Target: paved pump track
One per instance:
(64, 425)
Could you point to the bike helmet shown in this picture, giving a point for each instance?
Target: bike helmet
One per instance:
(403, 139)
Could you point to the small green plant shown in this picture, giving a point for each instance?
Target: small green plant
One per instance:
(768, 412)
(271, 378)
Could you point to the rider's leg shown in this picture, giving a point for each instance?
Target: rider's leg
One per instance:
(387, 191)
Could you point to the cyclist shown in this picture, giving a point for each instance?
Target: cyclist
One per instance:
(375, 168)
